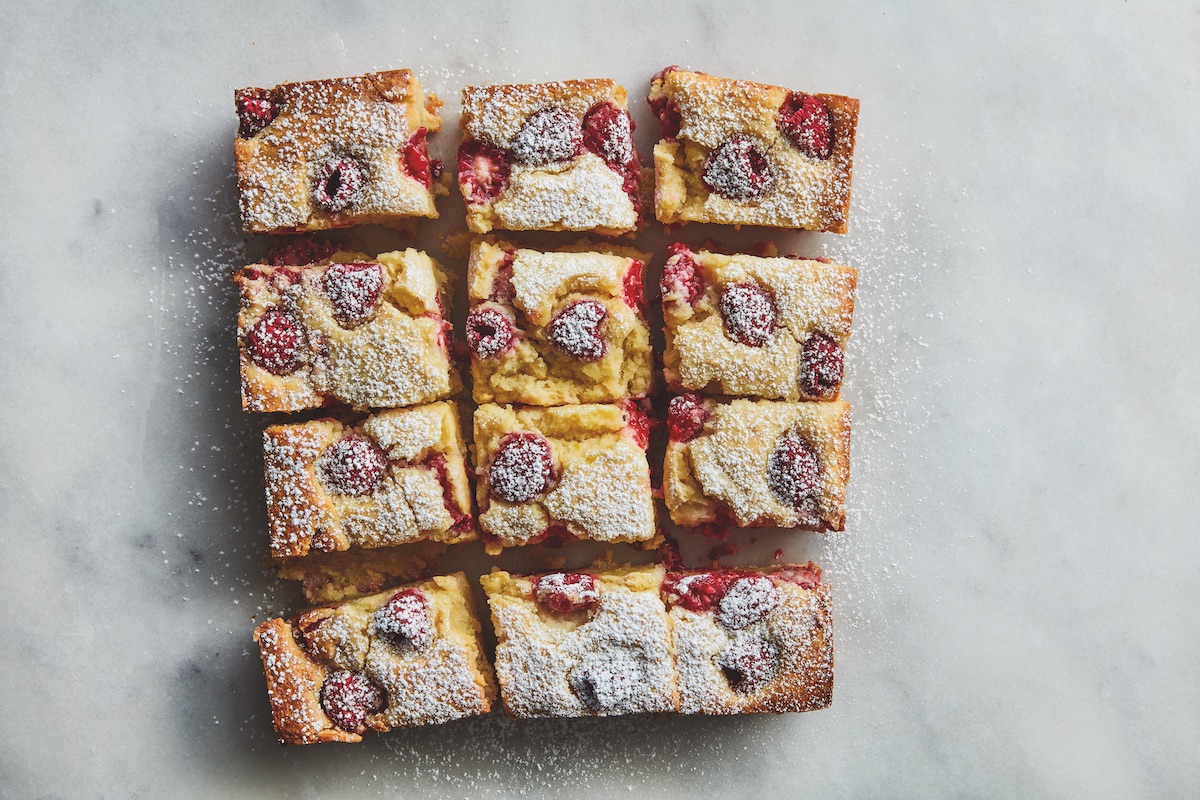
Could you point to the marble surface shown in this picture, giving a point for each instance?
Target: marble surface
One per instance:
(1017, 584)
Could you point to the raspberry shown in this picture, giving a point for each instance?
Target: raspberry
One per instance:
(723, 550)
(608, 132)
(576, 330)
(807, 576)
(746, 601)
(353, 465)
(686, 416)
(339, 183)
(437, 463)
(637, 420)
(522, 468)
(697, 592)
(274, 342)
(821, 370)
(489, 332)
(502, 288)
(633, 294)
(549, 135)
(749, 664)
(665, 108)
(806, 122)
(749, 314)
(793, 471)
(482, 172)
(566, 592)
(737, 169)
(353, 289)
(416, 158)
(681, 274)
(298, 251)
(405, 620)
(609, 681)
(256, 109)
(349, 697)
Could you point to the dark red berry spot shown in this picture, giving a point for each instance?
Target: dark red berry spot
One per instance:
(353, 289)
(576, 330)
(405, 620)
(664, 107)
(737, 169)
(749, 664)
(339, 184)
(695, 592)
(489, 332)
(806, 576)
(637, 420)
(608, 132)
(749, 314)
(793, 472)
(633, 293)
(681, 275)
(566, 592)
(723, 550)
(806, 122)
(522, 468)
(822, 366)
(301, 250)
(549, 135)
(482, 172)
(353, 465)
(256, 109)
(747, 600)
(416, 159)
(437, 463)
(502, 287)
(274, 342)
(349, 697)
(686, 416)
(610, 679)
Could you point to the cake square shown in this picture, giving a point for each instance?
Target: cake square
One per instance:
(406, 657)
(335, 153)
(549, 156)
(740, 153)
(741, 325)
(592, 643)
(551, 328)
(569, 472)
(398, 476)
(369, 333)
(750, 641)
(757, 463)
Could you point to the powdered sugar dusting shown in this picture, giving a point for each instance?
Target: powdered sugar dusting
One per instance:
(747, 600)
(605, 495)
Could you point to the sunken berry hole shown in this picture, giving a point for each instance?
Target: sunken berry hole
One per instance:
(405, 619)
(348, 698)
(353, 290)
(522, 468)
(565, 592)
(577, 330)
(339, 184)
(489, 332)
(749, 314)
(749, 665)
(274, 342)
(353, 465)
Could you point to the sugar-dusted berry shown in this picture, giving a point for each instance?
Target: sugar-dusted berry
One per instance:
(489, 332)
(416, 158)
(274, 342)
(738, 170)
(609, 681)
(550, 135)
(681, 275)
(577, 330)
(747, 600)
(807, 123)
(749, 664)
(405, 620)
(793, 472)
(822, 364)
(749, 313)
(522, 467)
(353, 465)
(637, 420)
(608, 132)
(338, 185)
(686, 415)
(353, 290)
(256, 109)
(566, 592)
(482, 172)
(349, 698)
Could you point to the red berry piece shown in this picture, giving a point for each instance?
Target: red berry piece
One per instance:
(723, 550)
(338, 186)
(665, 108)
(686, 416)
(749, 314)
(807, 576)
(482, 172)
(633, 293)
(566, 592)
(737, 169)
(681, 275)
(697, 592)
(437, 463)
(793, 472)
(749, 664)
(502, 287)
(274, 342)
(349, 698)
(353, 289)
(416, 159)
(576, 330)
(489, 332)
(821, 366)
(608, 132)
(549, 135)
(806, 122)
(746, 601)
(256, 109)
(522, 468)
(637, 420)
(353, 465)
(299, 251)
(405, 620)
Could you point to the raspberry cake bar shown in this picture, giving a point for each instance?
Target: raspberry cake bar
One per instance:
(398, 476)
(574, 644)
(756, 327)
(561, 473)
(367, 333)
(550, 328)
(549, 156)
(741, 153)
(336, 153)
(393, 660)
(751, 640)
(757, 463)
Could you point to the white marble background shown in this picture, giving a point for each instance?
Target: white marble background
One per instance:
(1018, 584)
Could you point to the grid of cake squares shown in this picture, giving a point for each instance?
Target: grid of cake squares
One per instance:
(562, 369)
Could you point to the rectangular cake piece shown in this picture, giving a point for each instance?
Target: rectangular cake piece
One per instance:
(396, 477)
(740, 325)
(401, 658)
(335, 153)
(369, 333)
(757, 463)
(739, 153)
(561, 473)
(549, 156)
(751, 641)
(551, 328)
(591, 643)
